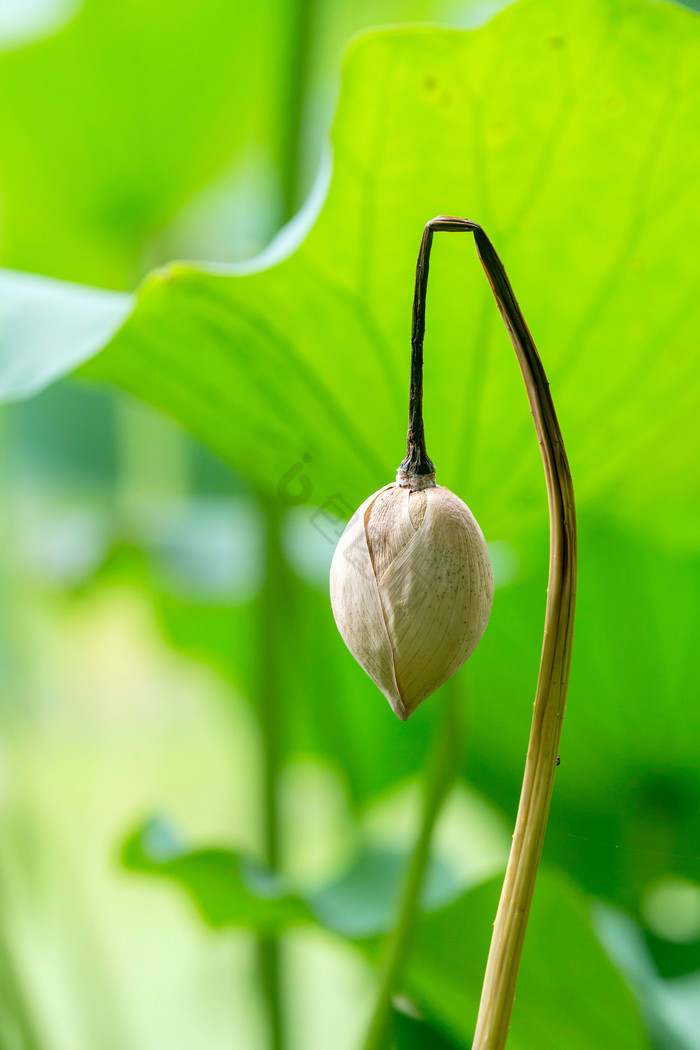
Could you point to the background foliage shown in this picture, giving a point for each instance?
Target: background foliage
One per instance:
(177, 705)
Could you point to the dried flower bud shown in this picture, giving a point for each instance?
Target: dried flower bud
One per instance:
(411, 588)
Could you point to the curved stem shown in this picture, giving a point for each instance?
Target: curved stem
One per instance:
(439, 777)
(273, 600)
(514, 908)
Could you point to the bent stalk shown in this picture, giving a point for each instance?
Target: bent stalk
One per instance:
(514, 908)
(501, 976)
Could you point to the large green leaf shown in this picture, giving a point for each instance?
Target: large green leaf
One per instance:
(228, 889)
(514, 125)
(36, 312)
(231, 889)
(569, 994)
(145, 128)
(110, 125)
(531, 125)
(627, 796)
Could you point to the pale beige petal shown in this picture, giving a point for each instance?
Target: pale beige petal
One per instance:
(357, 609)
(437, 597)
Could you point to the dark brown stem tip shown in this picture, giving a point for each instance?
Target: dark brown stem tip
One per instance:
(446, 223)
(417, 460)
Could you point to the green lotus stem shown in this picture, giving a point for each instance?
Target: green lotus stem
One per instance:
(542, 757)
(439, 777)
(299, 35)
(274, 599)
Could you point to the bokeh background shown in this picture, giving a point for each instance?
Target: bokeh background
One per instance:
(171, 679)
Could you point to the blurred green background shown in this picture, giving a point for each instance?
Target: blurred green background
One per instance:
(177, 707)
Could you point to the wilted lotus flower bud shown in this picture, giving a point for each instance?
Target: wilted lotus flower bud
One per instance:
(411, 580)
(411, 588)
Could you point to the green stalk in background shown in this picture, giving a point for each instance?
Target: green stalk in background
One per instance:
(298, 47)
(18, 1020)
(276, 590)
(274, 602)
(439, 776)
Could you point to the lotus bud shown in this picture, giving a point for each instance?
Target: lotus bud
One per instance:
(411, 581)
(411, 588)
